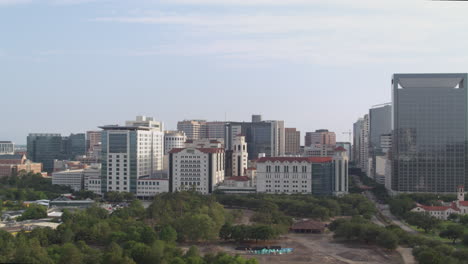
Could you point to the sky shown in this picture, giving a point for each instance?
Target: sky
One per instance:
(68, 66)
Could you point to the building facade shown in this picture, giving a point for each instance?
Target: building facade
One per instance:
(145, 121)
(200, 169)
(173, 139)
(44, 148)
(240, 156)
(193, 129)
(321, 137)
(149, 187)
(306, 175)
(71, 178)
(15, 163)
(93, 144)
(7, 148)
(292, 141)
(128, 153)
(261, 137)
(429, 150)
(380, 123)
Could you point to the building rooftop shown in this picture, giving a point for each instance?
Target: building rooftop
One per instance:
(238, 178)
(296, 159)
(204, 150)
(114, 127)
(11, 157)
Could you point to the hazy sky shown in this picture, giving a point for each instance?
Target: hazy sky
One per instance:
(72, 65)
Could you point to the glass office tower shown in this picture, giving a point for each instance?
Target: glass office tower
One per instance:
(44, 148)
(429, 132)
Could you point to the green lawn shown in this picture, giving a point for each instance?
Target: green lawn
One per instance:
(435, 234)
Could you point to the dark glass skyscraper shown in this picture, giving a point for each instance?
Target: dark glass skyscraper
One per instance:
(44, 148)
(429, 132)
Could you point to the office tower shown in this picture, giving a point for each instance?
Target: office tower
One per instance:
(173, 139)
(380, 123)
(74, 145)
(292, 141)
(215, 129)
(318, 150)
(199, 169)
(365, 163)
(93, 140)
(7, 148)
(357, 128)
(239, 156)
(261, 137)
(429, 132)
(321, 137)
(129, 153)
(145, 121)
(256, 118)
(44, 148)
(193, 129)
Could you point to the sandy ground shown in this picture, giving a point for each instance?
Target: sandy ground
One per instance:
(315, 248)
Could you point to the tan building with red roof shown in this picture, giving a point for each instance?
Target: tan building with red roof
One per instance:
(460, 206)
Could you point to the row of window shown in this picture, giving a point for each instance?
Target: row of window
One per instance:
(148, 183)
(286, 168)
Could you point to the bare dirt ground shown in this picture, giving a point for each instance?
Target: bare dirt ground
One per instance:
(314, 248)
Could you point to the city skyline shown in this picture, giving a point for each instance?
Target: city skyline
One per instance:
(82, 64)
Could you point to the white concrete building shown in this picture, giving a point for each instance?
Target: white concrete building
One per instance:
(201, 169)
(307, 175)
(92, 178)
(205, 143)
(239, 156)
(193, 129)
(129, 153)
(71, 178)
(149, 187)
(7, 148)
(173, 139)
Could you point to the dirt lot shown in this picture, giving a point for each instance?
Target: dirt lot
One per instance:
(315, 248)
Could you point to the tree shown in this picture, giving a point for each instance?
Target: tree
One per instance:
(422, 220)
(168, 234)
(387, 239)
(453, 232)
(33, 212)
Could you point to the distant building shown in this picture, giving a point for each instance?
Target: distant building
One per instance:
(173, 139)
(459, 207)
(129, 153)
(7, 148)
(319, 150)
(10, 164)
(215, 129)
(73, 145)
(72, 178)
(348, 147)
(145, 121)
(430, 120)
(240, 156)
(380, 123)
(44, 148)
(292, 141)
(320, 137)
(361, 144)
(308, 175)
(261, 137)
(92, 179)
(149, 187)
(93, 144)
(200, 169)
(193, 129)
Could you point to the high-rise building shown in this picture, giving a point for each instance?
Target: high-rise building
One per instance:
(292, 141)
(93, 140)
(320, 136)
(129, 153)
(357, 128)
(193, 129)
(74, 145)
(261, 137)
(44, 148)
(380, 123)
(215, 129)
(145, 121)
(173, 139)
(7, 148)
(429, 149)
(200, 169)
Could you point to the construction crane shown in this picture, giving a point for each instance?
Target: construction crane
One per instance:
(349, 133)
